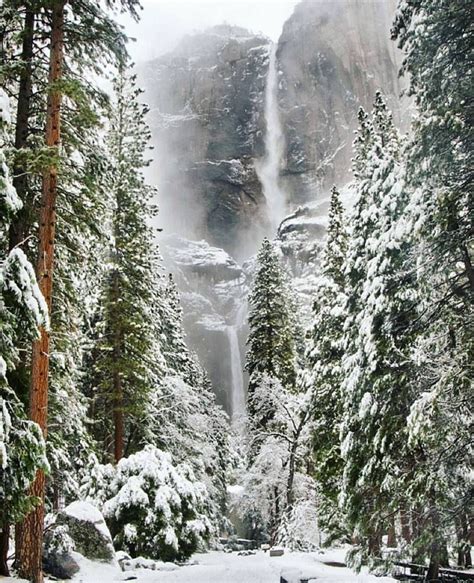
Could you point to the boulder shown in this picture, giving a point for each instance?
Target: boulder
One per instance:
(79, 528)
(87, 529)
(58, 547)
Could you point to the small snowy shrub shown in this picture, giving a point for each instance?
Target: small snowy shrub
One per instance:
(153, 508)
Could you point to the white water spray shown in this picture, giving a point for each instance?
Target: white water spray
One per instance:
(236, 366)
(268, 169)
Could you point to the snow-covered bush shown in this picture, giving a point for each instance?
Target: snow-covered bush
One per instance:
(154, 509)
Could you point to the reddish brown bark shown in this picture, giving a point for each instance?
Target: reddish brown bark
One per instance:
(30, 547)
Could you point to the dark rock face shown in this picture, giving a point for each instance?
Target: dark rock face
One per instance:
(58, 560)
(333, 55)
(206, 101)
(88, 531)
(208, 120)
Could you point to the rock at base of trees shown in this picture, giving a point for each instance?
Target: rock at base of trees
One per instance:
(88, 530)
(80, 527)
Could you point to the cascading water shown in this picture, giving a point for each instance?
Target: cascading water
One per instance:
(236, 365)
(268, 169)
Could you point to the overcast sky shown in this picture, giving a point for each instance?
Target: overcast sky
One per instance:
(164, 22)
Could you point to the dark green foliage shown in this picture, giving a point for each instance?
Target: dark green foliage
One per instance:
(127, 348)
(324, 374)
(271, 343)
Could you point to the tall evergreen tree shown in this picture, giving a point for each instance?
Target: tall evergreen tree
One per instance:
(30, 551)
(91, 43)
(271, 342)
(323, 374)
(187, 421)
(378, 386)
(272, 363)
(22, 306)
(128, 361)
(441, 213)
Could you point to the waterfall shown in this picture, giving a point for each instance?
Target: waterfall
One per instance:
(238, 404)
(236, 370)
(268, 169)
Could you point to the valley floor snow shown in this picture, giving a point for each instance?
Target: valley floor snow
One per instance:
(219, 567)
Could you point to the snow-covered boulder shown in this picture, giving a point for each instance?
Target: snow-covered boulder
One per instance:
(87, 530)
(58, 548)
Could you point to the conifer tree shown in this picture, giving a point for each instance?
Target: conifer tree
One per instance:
(271, 343)
(323, 375)
(439, 171)
(22, 306)
(91, 43)
(378, 386)
(187, 421)
(272, 363)
(128, 362)
(30, 551)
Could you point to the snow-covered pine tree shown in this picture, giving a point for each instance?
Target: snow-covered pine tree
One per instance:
(272, 362)
(92, 44)
(127, 362)
(271, 342)
(378, 387)
(188, 422)
(22, 307)
(323, 375)
(175, 351)
(441, 213)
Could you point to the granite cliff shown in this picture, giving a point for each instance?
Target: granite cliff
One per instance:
(243, 127)
(207, 100)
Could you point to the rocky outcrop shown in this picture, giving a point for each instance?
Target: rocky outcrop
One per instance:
(79, 529)
(333, 55)
(213, 289)
(206, 100)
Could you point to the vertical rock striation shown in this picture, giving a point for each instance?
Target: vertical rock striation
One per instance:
(206, 101)
(333, 55)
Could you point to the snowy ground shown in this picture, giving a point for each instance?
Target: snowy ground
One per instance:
(218, 567)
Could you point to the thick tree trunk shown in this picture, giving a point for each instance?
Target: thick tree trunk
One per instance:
(4, 544)
(21, 224)
(375, 544)
(438, 550)
(464, 545)
(30, 547)
(391, 536)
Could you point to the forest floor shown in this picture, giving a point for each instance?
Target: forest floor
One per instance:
(219, 567)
